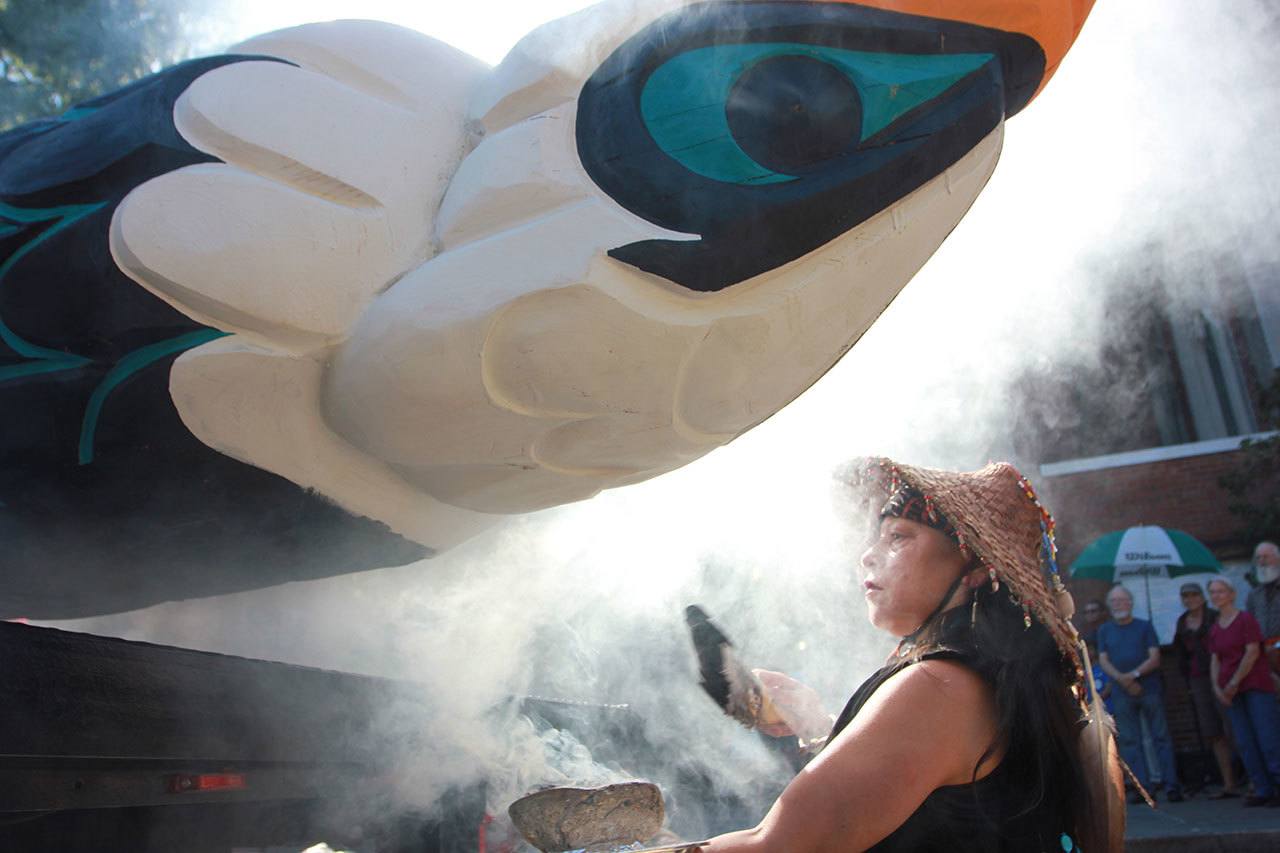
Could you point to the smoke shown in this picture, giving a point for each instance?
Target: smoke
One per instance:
(1141, 177)
(582, 605)
(1145, 166)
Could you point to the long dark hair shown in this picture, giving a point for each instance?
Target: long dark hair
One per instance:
(1038, 717)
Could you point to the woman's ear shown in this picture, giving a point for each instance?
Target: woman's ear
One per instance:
(974, 576)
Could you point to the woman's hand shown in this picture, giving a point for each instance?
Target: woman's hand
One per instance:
(790, 707)
(1229, 692)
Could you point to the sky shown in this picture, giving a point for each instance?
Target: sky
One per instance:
(1153, 124)
(484, 29)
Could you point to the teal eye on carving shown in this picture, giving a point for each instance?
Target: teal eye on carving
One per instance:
(766, 112)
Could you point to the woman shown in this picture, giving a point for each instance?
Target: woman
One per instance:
(1242, 684)
(1191, 639)
(972, 737)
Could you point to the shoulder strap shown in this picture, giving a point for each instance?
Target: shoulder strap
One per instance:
(879, 677)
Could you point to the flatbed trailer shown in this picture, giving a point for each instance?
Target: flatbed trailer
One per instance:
(109, 744)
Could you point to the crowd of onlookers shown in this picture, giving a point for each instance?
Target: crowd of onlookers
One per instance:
(1229, 657)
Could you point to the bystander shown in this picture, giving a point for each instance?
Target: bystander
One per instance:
(1130, 653)
(1191, 644)
(1093, 614)
(1242, 684)
(1263, 603)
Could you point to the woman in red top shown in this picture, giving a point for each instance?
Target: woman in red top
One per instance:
(1191, 640)
(1241, 682)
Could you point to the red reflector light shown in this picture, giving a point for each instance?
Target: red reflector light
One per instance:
(182, 783)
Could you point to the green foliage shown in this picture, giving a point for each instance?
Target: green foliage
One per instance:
(57, 53)
(1254, 484)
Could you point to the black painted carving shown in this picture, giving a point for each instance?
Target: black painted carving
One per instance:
(153, 514)
(794, 113)
(747, 229)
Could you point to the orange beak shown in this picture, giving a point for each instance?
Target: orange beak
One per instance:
(1054, 24)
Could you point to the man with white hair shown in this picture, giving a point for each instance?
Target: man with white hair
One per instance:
(1263, 603)
(1129, 652)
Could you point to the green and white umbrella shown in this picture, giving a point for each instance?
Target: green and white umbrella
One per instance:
(1144, 552)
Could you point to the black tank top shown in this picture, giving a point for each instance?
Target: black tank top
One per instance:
(990, 815)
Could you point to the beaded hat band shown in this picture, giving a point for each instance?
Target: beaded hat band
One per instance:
(910, 504)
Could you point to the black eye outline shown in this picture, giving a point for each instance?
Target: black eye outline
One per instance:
(746, 230)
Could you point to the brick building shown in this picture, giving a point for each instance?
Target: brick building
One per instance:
(1158, 420)
(1175, 486)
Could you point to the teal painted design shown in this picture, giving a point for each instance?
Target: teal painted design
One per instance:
(126, 367)
(892, 84)
(683, 106)
(7, 230)
(683, 101)
(66, 216)
(32, 368)
(1068, 845)
(76, 113)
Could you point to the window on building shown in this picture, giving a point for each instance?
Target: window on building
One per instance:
(1176, 361)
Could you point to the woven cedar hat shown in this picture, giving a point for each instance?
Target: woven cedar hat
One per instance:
(998, 518)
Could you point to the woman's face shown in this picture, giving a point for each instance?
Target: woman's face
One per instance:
(1192, 600)
(907, 570)
(1221, 594)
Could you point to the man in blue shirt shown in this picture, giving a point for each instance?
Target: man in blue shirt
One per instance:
(1130, 653)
